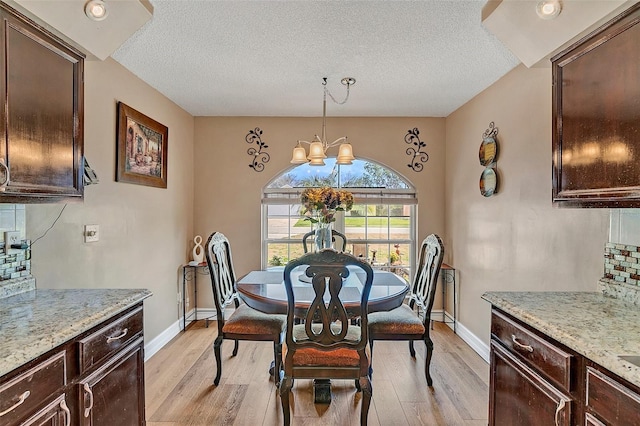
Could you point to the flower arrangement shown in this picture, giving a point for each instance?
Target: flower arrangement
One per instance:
(319, 205)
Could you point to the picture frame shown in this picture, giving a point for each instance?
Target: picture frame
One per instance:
(141, 148)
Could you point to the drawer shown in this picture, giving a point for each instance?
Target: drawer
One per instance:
(611, 401)
(541, 354)
(22, 395)
(109, 339)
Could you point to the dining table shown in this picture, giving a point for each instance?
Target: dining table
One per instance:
(264, 291)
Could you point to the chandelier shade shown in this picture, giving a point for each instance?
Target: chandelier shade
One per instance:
(319, 146)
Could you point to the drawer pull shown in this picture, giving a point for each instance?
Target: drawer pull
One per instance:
(89, 392)
(67, 413)
(520, 345)
(559, 409)
(120, 336)
(23, 397)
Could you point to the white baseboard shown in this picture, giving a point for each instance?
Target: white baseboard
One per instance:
(463, 332)
(173, 330)
(162, 339)
(209, 313)
(477, 344)
(473, 341)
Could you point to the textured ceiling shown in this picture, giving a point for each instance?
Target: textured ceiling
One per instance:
(267, 58)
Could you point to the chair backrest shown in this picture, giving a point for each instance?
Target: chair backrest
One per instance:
(339, 240)
(223, 277)
(326, 320)
(426, 278)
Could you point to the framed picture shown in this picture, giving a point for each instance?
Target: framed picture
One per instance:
(142, 149)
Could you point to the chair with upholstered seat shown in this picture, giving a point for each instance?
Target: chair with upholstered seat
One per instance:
(404, 323)
(338, 239)
(244, 323)
(326, 345)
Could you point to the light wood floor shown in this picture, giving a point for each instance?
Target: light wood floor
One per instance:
(180, 390)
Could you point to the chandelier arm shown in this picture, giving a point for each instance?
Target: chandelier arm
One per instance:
(336, 142)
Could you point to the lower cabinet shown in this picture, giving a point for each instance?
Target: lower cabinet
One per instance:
(520, 396)
(95, 379)
(113, 394)
(537, 381)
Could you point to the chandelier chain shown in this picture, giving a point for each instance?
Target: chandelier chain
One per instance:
(327, 92)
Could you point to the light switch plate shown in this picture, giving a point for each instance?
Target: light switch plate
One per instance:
(91, 233)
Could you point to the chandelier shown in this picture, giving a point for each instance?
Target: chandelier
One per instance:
(318, 146)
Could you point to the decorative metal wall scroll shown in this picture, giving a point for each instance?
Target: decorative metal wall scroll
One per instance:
(488, 156)
(260, 157)
(418, 156)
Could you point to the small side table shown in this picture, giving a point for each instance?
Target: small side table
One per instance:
(448, 274)
(190, 273)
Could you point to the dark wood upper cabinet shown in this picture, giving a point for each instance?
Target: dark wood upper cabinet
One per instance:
(596, 117)
(41, 119)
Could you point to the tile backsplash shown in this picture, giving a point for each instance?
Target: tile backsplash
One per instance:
(14, 263)
(622, 263)
(621, 272)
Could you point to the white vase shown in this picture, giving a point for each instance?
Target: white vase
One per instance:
(323, 237)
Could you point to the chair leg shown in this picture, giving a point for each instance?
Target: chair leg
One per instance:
(370, 358)
(277, 358)
(235, 348)
(216, 350)
(367, 391)
(427, 364)
(285, 390)
(412, 351)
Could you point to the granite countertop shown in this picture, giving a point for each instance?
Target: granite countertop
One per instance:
(34, 322)
(592, 324)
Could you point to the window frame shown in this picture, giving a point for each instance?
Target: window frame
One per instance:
(362, 196)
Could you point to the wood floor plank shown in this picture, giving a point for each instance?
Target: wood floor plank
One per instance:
(387, 405)
(180, 390)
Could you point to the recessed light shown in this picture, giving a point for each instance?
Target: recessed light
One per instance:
(548, 9)
(96, 10)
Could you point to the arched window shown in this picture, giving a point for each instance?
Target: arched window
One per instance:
(381, 226)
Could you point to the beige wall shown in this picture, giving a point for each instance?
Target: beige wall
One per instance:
(228, 192)
(145, 232)
(515, 240)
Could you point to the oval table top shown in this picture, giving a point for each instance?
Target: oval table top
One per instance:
(264, 291)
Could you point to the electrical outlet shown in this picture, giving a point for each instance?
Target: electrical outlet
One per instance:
(91, 233)
(11, 237)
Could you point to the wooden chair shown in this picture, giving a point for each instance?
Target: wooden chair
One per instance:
(404, 323)
(244, 323)
(326, 345)
(341, 245)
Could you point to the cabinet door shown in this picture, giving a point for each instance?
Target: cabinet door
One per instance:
(520, 396)
(41, 124)
(114, 394)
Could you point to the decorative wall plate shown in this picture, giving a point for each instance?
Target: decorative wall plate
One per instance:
(488, 151)
(488, 182)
